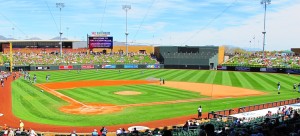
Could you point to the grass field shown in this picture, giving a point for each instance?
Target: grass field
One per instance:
(32, 105)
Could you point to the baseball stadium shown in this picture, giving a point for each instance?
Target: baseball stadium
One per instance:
(102, 87)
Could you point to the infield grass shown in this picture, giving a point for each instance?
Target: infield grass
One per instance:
(32, 105)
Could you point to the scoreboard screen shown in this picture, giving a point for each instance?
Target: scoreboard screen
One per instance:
(100, 42)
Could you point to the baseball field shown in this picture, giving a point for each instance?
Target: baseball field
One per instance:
(113, 97)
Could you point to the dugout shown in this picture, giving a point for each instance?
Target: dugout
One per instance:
(189, 57)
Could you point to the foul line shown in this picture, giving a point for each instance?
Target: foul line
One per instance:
(60, 95)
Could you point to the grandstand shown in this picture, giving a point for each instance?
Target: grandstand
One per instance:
(275, 59)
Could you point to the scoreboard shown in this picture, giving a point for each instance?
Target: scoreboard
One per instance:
(100, 42)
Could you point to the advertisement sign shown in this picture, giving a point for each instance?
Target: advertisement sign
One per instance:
(66, 67)
(42, 68)
(221, 67)
(293, 71)
(108, 66)
(263, 69)
(87, 66)
(100, 42)
(153, 66)
(130, 66)
(100, 33)
(271, 70)
(242, 68)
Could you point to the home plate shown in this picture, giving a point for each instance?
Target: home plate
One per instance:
(1, 114)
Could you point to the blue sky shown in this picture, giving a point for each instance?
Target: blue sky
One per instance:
(159, 22)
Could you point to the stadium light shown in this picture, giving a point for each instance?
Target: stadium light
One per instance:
(60, 6)
(126, 8)
(265, 3)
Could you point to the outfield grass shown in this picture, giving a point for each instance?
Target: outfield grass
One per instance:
(150, 93)
(30, 104)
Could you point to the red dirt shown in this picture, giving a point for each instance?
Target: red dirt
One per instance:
(9, 119)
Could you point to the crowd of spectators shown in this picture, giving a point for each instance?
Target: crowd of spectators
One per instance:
(73, 57)
(268, 59)
(286, 122)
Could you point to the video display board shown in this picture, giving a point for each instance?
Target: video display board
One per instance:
(100, 42)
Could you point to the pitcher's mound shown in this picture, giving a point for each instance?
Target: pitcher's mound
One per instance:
(128, 93)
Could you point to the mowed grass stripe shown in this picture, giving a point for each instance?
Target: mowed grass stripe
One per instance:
(177, 93)
(34, 92)
(164, 74)
(244, 82)
(196, 76)
(174, 75)
(145, 74)
(234, 80)
(186, 76)
(254, 84)
(219, 78)
(210, 78)
(265, 85)
(226, 78)
(269, 80)
(106, 94)
(287, 82)
(34, 103)
(203, 77)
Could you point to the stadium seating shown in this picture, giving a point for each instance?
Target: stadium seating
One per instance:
(50, 56)
(269, 59)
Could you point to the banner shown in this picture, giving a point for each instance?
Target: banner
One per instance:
(293, 71)
(108, 66)
(42, 68)
(66, 67)
(130, 66)
(87, 66)
(153, 66)
(242, 68)
(219, 67)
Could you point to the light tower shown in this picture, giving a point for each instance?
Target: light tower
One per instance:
(126, 8)
(60, 6)
(265, 3)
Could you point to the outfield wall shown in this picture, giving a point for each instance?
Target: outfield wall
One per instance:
(82, 67)
(260, 69)
(150, 66)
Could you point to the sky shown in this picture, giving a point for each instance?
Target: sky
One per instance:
(157, 22)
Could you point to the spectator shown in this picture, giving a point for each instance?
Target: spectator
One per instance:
(119, 132)
(103, 131)
(5, 133)
(11, 132)
(32, 132)
(210, 130)
(95, 133)
(135, 132)
(73, 133)
(18, 131)
(166, 132)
